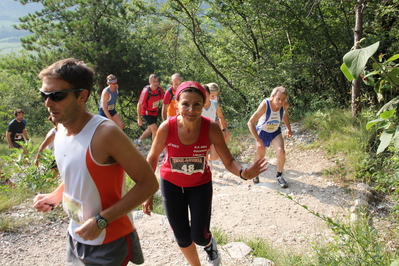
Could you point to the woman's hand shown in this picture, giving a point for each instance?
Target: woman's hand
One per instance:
(258, 167)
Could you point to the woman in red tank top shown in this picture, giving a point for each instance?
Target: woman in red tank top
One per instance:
(186, 180)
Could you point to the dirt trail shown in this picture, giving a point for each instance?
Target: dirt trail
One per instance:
(240, 209)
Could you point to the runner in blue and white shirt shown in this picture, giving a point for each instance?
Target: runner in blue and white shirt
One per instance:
(269, 114)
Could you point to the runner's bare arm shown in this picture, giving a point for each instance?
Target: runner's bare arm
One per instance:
(286, 120)
(153, 156)
(219, 113)
(8, 137)
(139, 121)
(255, 118)
(164, 111)
(47, 140)
(158, 145)
(120, 149)
(25, 133)
(47, 202)
(104, 98)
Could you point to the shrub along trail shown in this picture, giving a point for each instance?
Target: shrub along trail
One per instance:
(240, 209)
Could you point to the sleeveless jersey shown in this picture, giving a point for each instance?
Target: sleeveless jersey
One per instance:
(150, 100)
(113, 95)
(270, 120)
(89, 187)
(170, 98)
(186, 165)
(211, 111)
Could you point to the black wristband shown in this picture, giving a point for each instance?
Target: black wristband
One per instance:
(242, 169)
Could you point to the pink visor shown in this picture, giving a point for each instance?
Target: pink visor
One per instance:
(190, 84)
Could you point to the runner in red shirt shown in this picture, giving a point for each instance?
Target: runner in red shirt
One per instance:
(186, 180)
(147, 107)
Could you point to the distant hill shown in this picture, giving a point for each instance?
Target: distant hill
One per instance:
(10, 11)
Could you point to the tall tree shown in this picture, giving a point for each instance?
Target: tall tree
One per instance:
(98, 32)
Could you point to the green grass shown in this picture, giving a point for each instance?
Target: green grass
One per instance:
(342, 137)
(221, 237)
(10, 197)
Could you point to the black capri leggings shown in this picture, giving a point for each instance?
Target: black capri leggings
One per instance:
(177, 201)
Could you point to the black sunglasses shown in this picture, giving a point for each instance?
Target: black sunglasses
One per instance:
(56, 96)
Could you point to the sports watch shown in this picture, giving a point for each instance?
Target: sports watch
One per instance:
(101, 222)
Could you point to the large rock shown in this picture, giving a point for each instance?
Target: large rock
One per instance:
(262, 262)
(237, 250)
(361, 203)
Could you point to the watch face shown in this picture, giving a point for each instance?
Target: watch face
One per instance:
(102, 223)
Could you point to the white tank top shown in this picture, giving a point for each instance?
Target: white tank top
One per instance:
(211, 111)
(270, 120)
(89, 187)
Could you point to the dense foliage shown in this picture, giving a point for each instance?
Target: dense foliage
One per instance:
(247, 47)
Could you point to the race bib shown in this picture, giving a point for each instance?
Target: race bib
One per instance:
(111, 107)
(73, 208)
(270, 126)
(18, 136)
(155, 104)
(187, 165)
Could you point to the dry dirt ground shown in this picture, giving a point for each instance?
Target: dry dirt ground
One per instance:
(240, 209)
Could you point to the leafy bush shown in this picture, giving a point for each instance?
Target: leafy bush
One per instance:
(27, 176)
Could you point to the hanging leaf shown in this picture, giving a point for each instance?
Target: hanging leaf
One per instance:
(393, 58)
(393, 74)
(387, 114)
(389, 105)
(385, 140)
(373, 122)
(346, 72)
(357, 59)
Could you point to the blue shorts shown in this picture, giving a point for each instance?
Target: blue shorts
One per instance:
(111, 112)
(268, 137)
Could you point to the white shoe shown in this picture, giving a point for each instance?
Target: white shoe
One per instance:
(137, 142)
(213, 257)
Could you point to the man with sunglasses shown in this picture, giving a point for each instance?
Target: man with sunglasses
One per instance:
(16, 132)
(92, 155)
(108, 101)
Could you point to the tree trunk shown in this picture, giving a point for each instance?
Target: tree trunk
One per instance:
(358, 34)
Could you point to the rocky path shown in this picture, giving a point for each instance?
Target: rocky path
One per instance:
(240, 209)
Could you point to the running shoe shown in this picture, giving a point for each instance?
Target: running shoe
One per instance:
(256, 180)
(213, 257)
(137, 142)
(282, 182)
